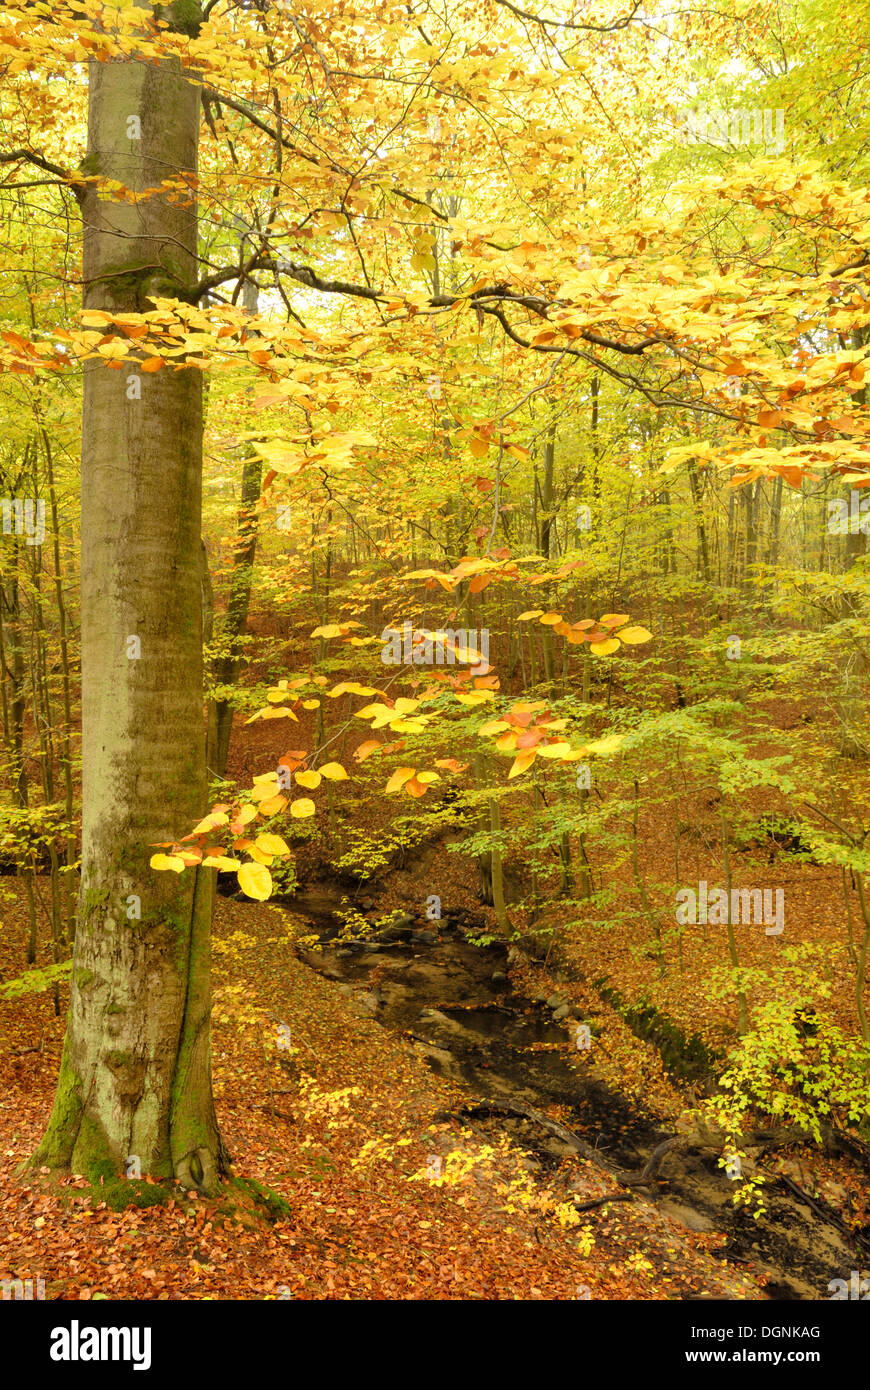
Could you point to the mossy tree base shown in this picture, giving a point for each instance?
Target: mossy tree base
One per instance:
(243, 1200)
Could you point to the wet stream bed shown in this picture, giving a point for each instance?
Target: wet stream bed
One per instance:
(453, 1001)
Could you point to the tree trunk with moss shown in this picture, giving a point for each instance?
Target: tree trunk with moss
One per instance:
(135, 1076)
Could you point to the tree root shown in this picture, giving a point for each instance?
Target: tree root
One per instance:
(831, 1218)
(483, 1109)
(198, 1170)
(603, 1201)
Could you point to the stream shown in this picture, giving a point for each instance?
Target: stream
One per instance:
(453, 1001)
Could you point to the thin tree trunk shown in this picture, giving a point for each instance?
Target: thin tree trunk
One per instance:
(66, 735)
(225, 670)
(697, 503)
(775, 516)
(733, 956)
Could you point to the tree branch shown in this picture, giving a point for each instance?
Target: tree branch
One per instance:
(568, 23)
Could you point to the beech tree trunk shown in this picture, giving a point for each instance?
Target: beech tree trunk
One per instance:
(136, 1070)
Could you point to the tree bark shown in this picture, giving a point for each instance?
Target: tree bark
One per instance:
(136, 1069)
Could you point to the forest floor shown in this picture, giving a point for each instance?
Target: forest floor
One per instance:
(342, 1125)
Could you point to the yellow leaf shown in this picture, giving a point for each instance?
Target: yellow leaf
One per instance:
(260, 791)
(466, 656)
(384, 716)
(635, 635)
(605, 648)
(272, 805)
(310, 780)
(220, 861)
(167, 861)
(259, 855)
(311, 704)
(272, 844)
(247, 814)
(522, 761)
(550, 618)
(210, 822)
(427, 777)
(604, 746)
(554, 750)
(255, 881)
(495, 726)
(302, 808)
(352, 687)
(333, 772)
(532, 613)
(115, 349)
(329, 630)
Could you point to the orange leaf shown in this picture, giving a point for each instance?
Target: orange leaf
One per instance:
(529, 738)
